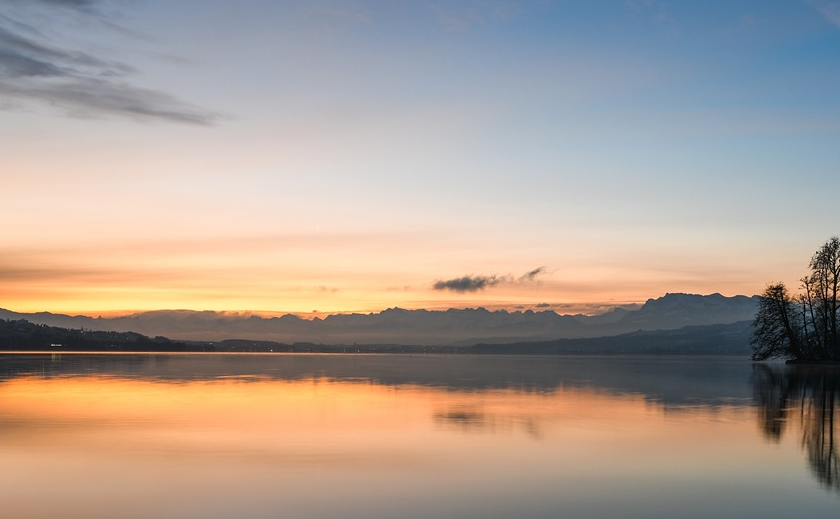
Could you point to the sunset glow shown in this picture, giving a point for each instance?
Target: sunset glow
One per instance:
(332, 156)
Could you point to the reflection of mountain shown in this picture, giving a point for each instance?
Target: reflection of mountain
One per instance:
(811, 395)
(398, 326)
(672, 381)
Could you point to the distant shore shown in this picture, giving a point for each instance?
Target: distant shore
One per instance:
(723, 339)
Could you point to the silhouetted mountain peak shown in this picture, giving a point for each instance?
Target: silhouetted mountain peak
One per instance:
(400, 326)
(675, 309)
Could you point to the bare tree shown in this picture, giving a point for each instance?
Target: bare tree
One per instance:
(804, 326)
(776, 332)
(823, 283)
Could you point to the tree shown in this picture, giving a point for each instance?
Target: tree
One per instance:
(806, 326)
(776, 332)
(820, 299)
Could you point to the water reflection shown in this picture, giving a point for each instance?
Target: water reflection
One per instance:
(807, 397)
(676, 382)
(376, 437)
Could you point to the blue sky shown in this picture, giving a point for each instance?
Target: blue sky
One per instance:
(348, 155)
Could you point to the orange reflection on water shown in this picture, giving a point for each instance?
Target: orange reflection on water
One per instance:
(225, 415)
(264, 444)
(240, 414)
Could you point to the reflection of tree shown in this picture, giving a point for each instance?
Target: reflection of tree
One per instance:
(811, 393)
(474, 420)
(468, 420)
(771, 393)
(819, 427)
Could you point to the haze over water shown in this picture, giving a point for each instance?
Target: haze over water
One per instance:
(311, 436)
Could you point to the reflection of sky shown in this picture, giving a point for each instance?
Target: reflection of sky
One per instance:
(359, 151)
(676, 381)
(92, 446)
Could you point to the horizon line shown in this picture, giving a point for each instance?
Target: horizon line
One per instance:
(596, 308)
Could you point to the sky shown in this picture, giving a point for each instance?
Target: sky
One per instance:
(352, 156)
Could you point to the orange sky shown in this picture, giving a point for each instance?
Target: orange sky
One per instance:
(350, 161)
(343, 273)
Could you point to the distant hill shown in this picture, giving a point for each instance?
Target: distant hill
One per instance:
(397, 326)
(715, 339)
(718, 339)
(24, 335)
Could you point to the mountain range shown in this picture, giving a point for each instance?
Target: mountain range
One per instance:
(417, 327)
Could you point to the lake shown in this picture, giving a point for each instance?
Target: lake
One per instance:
(415, 436)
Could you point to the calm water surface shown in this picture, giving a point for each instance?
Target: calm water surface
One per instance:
(382, 436)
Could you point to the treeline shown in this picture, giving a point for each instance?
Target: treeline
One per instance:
(724, 339)
(802, 326)
(26, 336)
(22, 335)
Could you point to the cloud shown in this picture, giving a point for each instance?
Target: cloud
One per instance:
(467, 283)
(35, 70)
(542, 305)
(475, 283)
(529, 276)
(85, 97)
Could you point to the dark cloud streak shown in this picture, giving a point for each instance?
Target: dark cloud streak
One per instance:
(84, 95)
(467, 283)
(31, 69)
(476, 283)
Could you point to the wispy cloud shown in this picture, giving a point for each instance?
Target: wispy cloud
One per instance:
(34, 69)
(473, 283)
(532, 275)
(828, 8)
